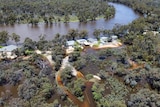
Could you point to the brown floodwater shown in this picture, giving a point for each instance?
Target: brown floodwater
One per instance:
(12, 90)
(88, 100)
(124, 15)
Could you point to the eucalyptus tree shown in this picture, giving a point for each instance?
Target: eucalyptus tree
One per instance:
(83, 34)
(72, 34)
(15, 37)
(4, 37)
(97, 33)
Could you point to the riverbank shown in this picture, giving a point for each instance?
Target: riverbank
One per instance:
(123, 16)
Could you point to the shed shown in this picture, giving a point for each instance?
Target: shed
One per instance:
(6, 52)
(82, 41)
(8, 48)
(91, 40)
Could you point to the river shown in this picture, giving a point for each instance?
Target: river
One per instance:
(124, 15)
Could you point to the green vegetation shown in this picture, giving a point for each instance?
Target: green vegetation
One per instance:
(130, 74)
(53, 11)
(4, 37)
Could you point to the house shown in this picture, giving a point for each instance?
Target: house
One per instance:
(93, 41)
(8, 48)
(83, 42)
(71, 43)
(7, 51)
(103, 39)
(114, 37)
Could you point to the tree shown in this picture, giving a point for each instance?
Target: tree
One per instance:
(11, 19)
(15, 37)
(72, 34)
(66, 18)
(78, 87)
(144, 98)
(45, 20)
(51, 18)
(4, 37)
(83, 34)
(29, 44)
(96, 33)
(109, 12)
(34, 21)
(66, 75)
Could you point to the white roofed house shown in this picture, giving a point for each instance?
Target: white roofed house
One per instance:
(70, 46)
(92, 41)
(103, 40)
(7, 52)
(70, 43)
(114, 37)
(82, 42)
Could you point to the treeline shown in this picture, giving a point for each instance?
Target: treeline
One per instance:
(49, 11)
(142, 6)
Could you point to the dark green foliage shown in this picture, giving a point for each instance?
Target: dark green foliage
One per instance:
(154, 80)
(52, 10)
(144, 97)
(29, 44)
(35, 78)
(4, 37)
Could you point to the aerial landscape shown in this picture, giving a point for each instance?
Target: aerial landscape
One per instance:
(79, 53)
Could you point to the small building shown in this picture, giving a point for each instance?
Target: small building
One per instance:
(114, 37)
(7, 52)
(103, 39)
(71, 43)
(8, 48)
(82, 42)
(92, 40)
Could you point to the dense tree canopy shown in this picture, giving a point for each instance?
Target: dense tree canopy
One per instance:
(130, 74)
(50, 11)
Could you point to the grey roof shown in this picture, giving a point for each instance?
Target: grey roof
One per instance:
(114, 37)
(103, 38)
(81, 41)
(92, 40)
(8, 48)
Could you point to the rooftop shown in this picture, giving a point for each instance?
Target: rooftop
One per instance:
(8, 48)
(71, 43)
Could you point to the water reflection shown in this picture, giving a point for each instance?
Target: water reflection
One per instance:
(123, 16)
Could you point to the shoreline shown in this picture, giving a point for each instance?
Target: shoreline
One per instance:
(62, 21)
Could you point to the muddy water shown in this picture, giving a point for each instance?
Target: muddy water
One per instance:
(88, 100)
(11, 89)
(124, 15)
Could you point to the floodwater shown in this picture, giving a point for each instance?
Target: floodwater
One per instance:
(124, 15)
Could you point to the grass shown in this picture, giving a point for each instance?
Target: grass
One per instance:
(1, 46)
(97, 44)
(73, 18)
(100, 17)
(28, 52)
